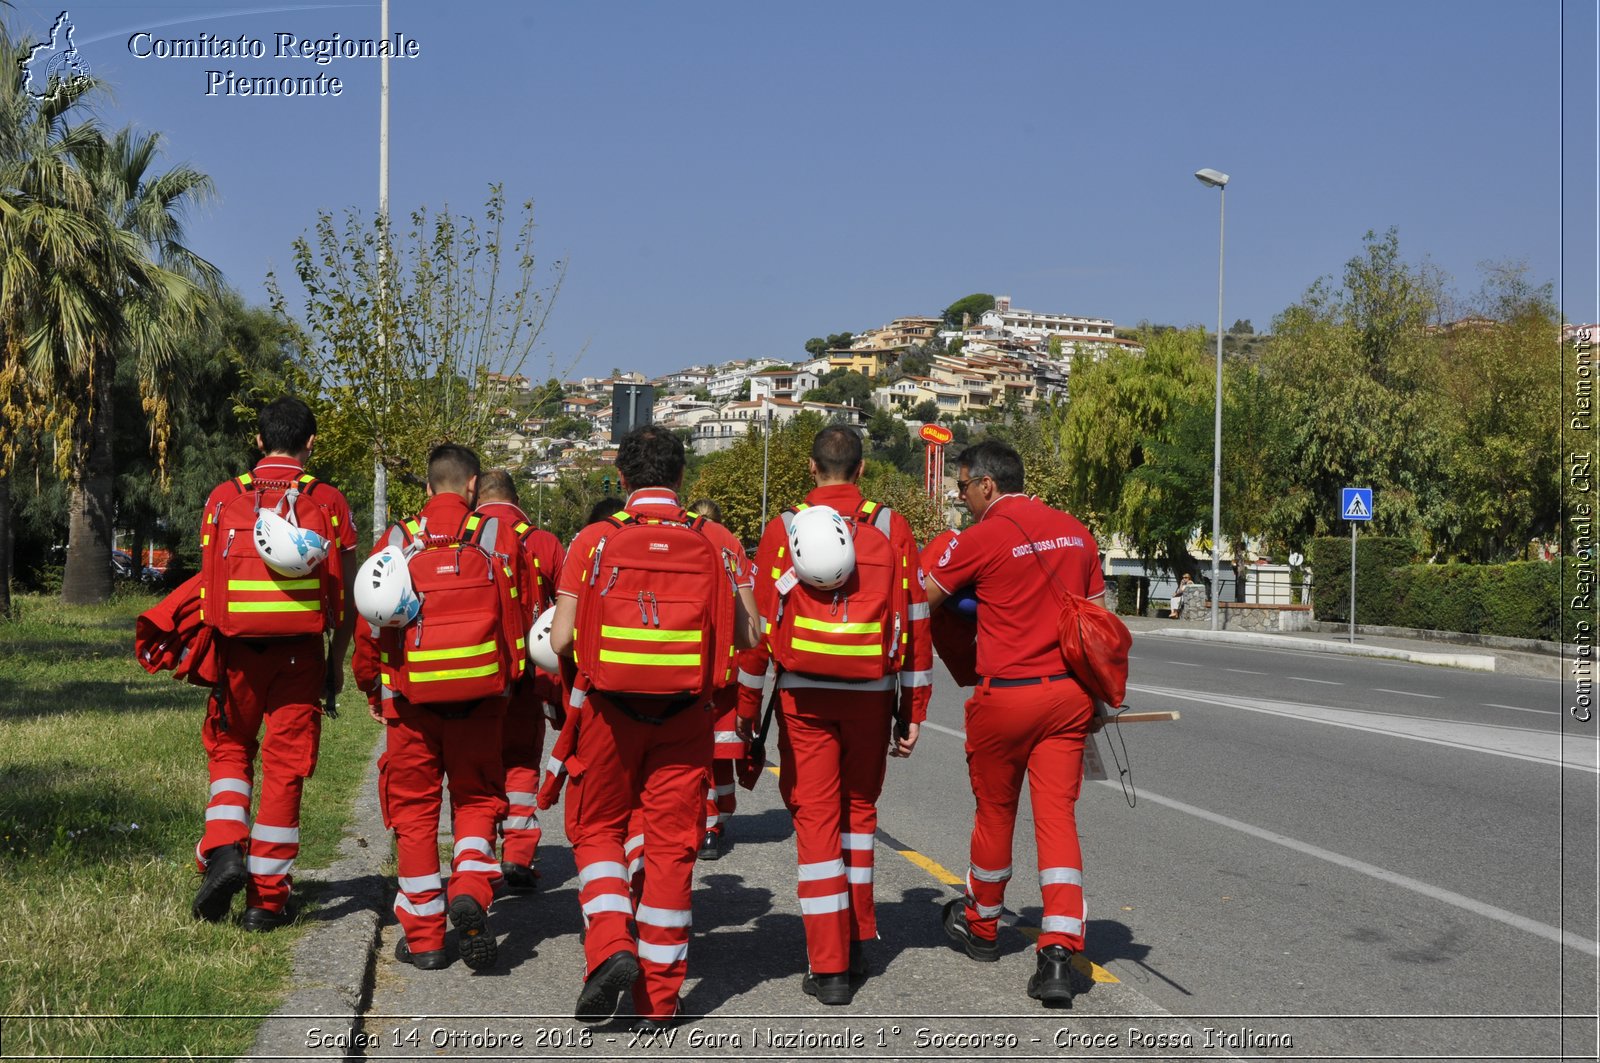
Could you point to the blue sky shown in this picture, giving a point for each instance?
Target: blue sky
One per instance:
(729, 179)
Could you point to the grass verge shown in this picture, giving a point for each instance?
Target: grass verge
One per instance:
(102, 791)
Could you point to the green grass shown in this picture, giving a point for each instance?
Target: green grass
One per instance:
(102, 790)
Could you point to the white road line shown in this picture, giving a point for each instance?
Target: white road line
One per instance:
(1502, 740)
(1518, 708)
(1407, 693)
(1488, 911)
(1186, 664)
(1324, 682)
(1382, 874)
(1243, 671)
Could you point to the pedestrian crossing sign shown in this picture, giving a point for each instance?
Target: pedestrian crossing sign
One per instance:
(1355, 503)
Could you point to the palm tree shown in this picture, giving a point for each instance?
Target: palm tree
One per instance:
(155, 291)
(45, 224)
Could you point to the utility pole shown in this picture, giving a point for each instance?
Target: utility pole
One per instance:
(380, 473)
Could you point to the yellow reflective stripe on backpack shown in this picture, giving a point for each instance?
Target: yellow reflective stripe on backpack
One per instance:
(244, 479)
(650, 634)
(452, 653)
(835, 651)
(658, 660)
(831, 628)
(274, 607)
(274, 585)
(455, 673)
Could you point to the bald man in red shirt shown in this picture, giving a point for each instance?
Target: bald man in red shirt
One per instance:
(1028, 713)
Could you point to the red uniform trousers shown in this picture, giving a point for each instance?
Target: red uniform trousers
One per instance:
(1041, 730)
(521, 753)
(424, 752)
(277, 682)
(833, 746)
(621, 763)
(721, 799)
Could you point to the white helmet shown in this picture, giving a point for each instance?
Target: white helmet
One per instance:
(823, 550)
(287, 549)
(539, 651)
(384, 595)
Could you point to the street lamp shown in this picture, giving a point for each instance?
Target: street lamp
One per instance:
(1218, 180)
(766, 440)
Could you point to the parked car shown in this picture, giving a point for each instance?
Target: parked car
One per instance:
(122, 567)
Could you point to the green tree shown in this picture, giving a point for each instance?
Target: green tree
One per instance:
(926, 411)
(1495, 381)
(1127, 411)
(973, 306)
(1346, 364)
(157, 292)
(403, 331)
(842, 386)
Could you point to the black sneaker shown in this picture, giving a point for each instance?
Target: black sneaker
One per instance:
(520, 878)
(597, 1000)
(710, 846)
(263, 920)
(433, 960)
(477, 946)
(828, 988)
(1051, 983)
(957, 930)
(225, 876)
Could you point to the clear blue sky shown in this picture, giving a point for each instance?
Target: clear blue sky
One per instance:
(729, 179)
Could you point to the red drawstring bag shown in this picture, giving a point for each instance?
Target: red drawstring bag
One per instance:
(1095, 642)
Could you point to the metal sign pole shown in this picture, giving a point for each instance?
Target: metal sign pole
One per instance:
(1353, 526)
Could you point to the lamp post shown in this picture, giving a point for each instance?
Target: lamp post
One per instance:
(380, 472)
(1219, 181)
(766, 441)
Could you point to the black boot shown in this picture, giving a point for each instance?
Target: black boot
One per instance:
(1051, 983)
(225, 876)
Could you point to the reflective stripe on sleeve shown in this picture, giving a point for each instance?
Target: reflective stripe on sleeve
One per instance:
(918, 679)
(920, 611)
(751, 679)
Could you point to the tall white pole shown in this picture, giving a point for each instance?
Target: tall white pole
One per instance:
(1216, 440)
(766, 440)
(380, 474)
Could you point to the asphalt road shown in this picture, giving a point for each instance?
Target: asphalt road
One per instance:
(1328, 835)
(1329, 857)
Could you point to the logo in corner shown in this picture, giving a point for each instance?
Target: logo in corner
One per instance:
(54, 64)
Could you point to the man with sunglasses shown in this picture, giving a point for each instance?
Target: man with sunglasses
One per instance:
(1027, 713)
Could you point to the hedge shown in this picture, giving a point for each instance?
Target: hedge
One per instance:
(1129, 593)
(1518, 600)
(1376, 556)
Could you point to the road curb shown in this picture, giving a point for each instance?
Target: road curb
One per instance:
(1476, 662)
(332, 978)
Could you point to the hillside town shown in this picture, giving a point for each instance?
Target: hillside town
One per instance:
(919, 367)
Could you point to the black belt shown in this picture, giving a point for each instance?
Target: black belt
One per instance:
(1029, 682)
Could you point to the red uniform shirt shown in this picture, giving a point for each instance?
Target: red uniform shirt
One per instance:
(1000, 557)
(540, 546)
(647, 502)
(283, 469)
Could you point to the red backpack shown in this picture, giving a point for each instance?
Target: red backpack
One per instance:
(858, 631)
(467, 641)
(240, 595)
(655, 621)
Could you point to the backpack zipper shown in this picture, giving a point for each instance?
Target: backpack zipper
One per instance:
(229, 544)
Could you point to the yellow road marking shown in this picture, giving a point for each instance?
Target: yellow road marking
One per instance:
(943, 874)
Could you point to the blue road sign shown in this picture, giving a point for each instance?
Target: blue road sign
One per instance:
(1355, 503)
